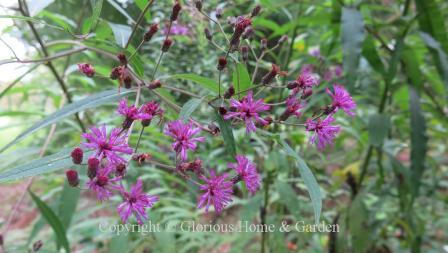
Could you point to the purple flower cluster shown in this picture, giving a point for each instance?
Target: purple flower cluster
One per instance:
(183, 136)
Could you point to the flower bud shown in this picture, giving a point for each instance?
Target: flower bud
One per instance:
(154, 85)
(282, 39)
(120, 170)
(263, 44)
(166, 45)
(292, 85)
(214, 128)
(306, 93)
(150, 33)
(248, 32)
(72, 177)
(222, 110)
(208, 34)
(229, 92)
(122, 58)
(77, 155)
(222, 62)
(86, 69)
(245, 53)
(115, 73)
(92, 167)
(198, 4)
(218, 13)
(126, 79)
(255, 11)
(175, 12)
(37, 245)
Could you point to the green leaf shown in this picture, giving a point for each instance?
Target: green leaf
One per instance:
(119, 243)
(309, 179)
(288, 197)
(53, 220)
(203, 81)
(371, 54)
(241, 77)
(227, 134)
(353, 34)
(121, 33)
(418, 140)
(39, 166)
(34, 20)
(67, 204)
(358, 224)
(70, 109)
(189, 107)
(97, 5)
(379, 125)
(442, 63)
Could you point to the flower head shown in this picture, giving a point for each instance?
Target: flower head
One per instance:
(152, 109)
(342, 100)
(247, 109)
(131, 112)
(108, 147)
(218, 192)
(247, 171)
(136, 202)
(306, 80)
(294, 105)
(102, 184)
(183, 136)
(86, 69)
(323, 132)
(176, 29)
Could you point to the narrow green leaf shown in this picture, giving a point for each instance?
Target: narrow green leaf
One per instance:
(97, 5)
(370, 52)
(203, 81)
(418, 140)
(309, 179)
(431, 21)
(353, 34)
(39, 166)
(189, 107)
(241, 77)
(121, 33)
(379, 125)
(358, 224)
(227, 134)
(53, 220)
(67, 204)
(70, 109)
(442, 62)
(34, 20)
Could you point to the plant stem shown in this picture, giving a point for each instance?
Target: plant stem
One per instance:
(139, 20)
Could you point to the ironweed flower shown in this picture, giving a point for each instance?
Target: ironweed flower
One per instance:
(246, 171)
(136, 202)
(131, 113)
(248, 110)
(218, 192)
(183, 136)
(293, 107)
(102, 185)
(272, 74)
(342, 100)
(108, 147)
(241, 24)
(323, 131)
(86, 69)
(152, 109)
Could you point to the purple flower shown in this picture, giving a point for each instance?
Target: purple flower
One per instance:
(131, 112)
(247, 171)
(107, 147)
(218, 192)
(338, 71)
(294, 105)
(176, 29)
(307, 68)
(86, 69)
(342, 100)
(136, 202)
(315, 52)
(102, 185)
(182, 134)
(247, 109)
(306, 80)
(323, 132)
(152, 109)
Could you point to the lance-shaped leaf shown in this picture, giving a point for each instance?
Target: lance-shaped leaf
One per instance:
(189, 107)
(227, 134)
(203, 81)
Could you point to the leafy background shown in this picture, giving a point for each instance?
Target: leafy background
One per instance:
(384, 182)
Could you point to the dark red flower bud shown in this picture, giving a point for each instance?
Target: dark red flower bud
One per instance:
(218, 13)
(273, 73)
(229, 92)
(120, 170)
(255, 11)
(37, 245)
(245, 53)
(214, 128)
(86, 69)
(282, 39)
(115, 73)
(306, 93)
(328, 109)
(222, 63)
(175, 13)
(222, 110)
(166, 45)
(285, 115)
(154, 85)
(263, 44)
(150, 33)
(92, 167)
(122, 58)
(292, 85)
(77, 155)
(72, 177)
(127, 80)
(240, 25)
(198, 4)
(208, 34)
(141, 158)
